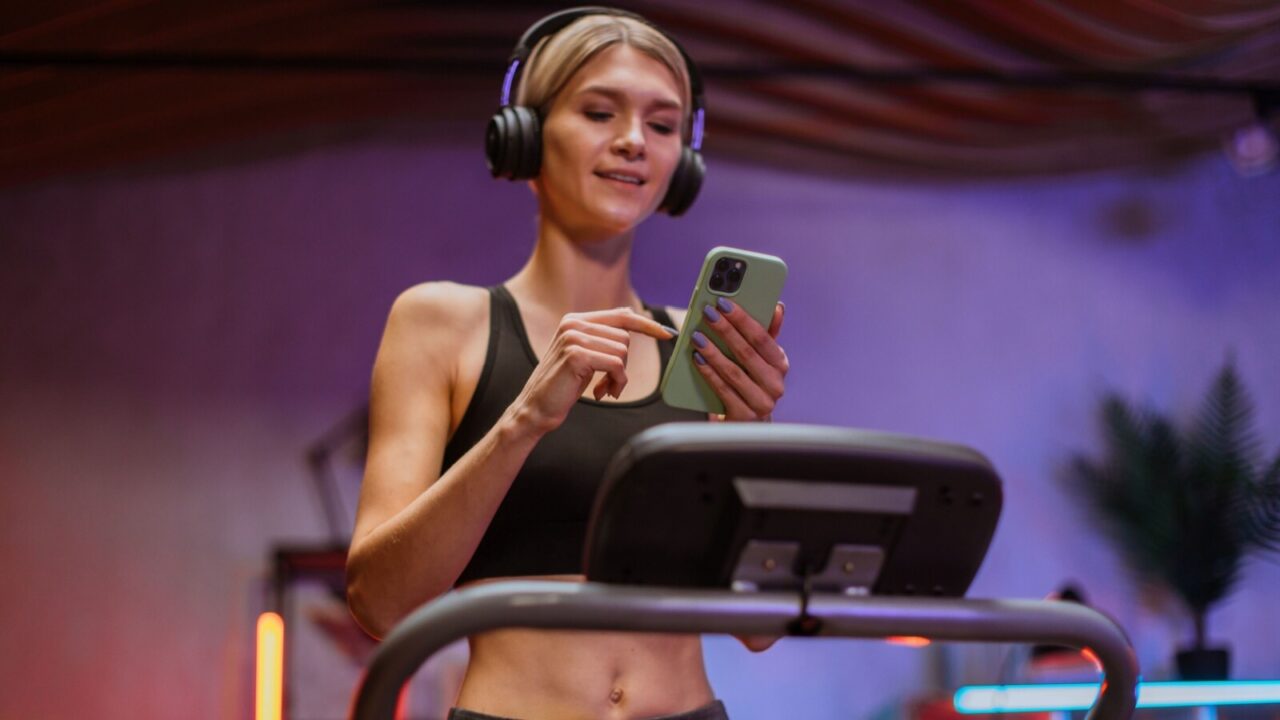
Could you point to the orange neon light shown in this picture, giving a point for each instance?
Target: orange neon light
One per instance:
(270, 685)
(907, 641)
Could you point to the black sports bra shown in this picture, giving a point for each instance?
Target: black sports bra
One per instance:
(540, 526)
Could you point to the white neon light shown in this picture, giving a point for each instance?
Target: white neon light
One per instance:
(1080, 696)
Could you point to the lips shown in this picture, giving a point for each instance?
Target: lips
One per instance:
(619, 176)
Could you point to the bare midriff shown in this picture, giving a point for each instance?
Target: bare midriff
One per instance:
(534, 674)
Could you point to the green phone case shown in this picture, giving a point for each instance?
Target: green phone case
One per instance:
(762, 280)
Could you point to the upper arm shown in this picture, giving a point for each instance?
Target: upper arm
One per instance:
(409, 404)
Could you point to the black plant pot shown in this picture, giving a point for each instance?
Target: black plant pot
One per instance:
(1204, 663)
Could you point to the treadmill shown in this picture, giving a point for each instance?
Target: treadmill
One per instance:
(773, 529)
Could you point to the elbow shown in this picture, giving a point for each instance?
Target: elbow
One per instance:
(376, 607)
(364, 612)
(368, 607)
(757, 643)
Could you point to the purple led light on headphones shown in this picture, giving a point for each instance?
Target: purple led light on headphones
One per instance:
(696, 143)
(506, 82)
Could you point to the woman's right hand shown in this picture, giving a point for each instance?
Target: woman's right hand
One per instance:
(584, 344)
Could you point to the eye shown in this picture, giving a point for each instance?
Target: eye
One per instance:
(662, 128)
(598, 115)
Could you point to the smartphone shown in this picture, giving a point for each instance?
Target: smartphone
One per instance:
(753, 281)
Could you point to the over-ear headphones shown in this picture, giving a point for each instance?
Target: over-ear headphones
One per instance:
(513, 140)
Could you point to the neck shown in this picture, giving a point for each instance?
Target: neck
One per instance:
(565, 274)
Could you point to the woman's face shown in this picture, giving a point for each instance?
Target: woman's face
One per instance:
(611, 141)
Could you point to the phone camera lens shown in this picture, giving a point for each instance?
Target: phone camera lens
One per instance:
(722, 264)
(735, 275)
(717, 281)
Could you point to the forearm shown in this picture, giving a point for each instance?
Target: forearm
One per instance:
(419, 553)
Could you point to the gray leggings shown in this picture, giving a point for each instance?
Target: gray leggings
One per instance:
(713, 711)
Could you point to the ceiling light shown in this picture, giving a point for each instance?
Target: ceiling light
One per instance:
(1254, 150)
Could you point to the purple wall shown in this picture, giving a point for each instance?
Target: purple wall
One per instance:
(173, 339)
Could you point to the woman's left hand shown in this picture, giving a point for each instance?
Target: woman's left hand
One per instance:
(751, 387)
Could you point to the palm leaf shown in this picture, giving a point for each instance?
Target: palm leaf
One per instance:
(1123, 487)
(1262, 509)
(1184, 509)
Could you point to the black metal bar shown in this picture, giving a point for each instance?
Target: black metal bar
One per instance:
(596, 606)
(334, 64)
(326, 64)
(1012, 621)
(1052, 79)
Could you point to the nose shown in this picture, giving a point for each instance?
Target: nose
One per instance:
(629, 142)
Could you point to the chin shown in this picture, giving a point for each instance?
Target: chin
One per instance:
(619, 219)
(596, 219)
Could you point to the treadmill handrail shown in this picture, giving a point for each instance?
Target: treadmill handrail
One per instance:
(599, 606)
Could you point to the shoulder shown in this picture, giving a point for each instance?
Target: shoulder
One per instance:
(441, 305)
(431, 322)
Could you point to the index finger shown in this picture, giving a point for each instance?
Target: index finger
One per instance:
(775, 326)
(760, 339)
(627, 319)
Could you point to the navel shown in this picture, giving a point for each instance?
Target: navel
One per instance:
(615, 697)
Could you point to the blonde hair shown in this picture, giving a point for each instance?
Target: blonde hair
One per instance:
(555, 59)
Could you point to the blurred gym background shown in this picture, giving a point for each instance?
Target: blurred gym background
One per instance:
(995, 214)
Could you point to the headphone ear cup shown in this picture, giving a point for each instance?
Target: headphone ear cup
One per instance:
(530, 143)
(513, 143)
(496, 144)
(686, 181)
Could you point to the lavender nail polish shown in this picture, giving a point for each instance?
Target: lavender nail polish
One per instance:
(710, 312)
(697, 357)
(726, 307)
(699, 339)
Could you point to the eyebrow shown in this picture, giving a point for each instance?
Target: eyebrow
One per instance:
(619, 96)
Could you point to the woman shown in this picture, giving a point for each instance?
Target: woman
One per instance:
(489, 419)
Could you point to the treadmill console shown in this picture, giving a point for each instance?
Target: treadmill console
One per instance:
(774, 506)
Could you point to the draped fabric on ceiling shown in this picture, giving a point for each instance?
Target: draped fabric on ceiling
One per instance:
(73, 117)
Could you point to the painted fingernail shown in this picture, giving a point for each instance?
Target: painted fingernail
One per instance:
(710, 312)
(725, 306)
(670, 330)
(783, 306)
(697, 357)
(699, 339)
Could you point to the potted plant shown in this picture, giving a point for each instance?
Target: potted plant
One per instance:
(1185, 507)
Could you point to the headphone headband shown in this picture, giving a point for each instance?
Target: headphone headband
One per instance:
(555, 22)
